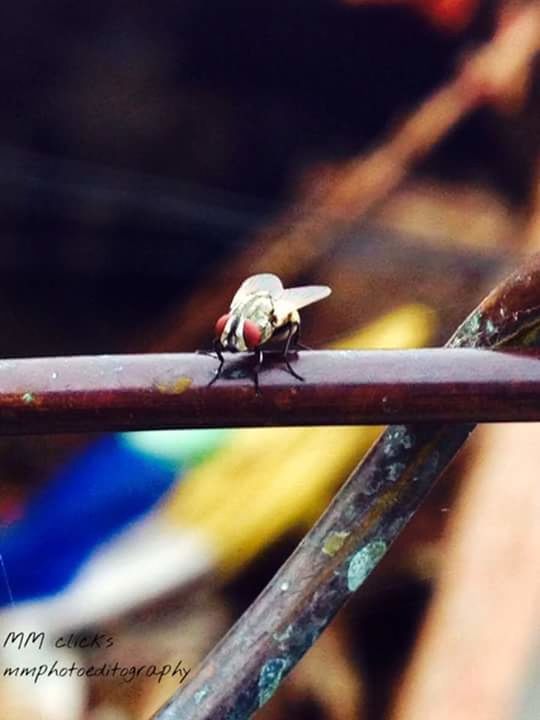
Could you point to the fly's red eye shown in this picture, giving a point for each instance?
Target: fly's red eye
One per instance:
(220, 325)
(252, 334)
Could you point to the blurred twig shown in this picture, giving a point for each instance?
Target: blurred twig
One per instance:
(305, 234)
(340, 388)
(335, 558)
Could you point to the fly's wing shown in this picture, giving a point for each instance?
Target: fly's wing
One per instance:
(264, 282)
(299, 297)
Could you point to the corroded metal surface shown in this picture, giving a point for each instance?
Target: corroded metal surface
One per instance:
(341, 387)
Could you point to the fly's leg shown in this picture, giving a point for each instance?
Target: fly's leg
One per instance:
(297, 343)
(217, 350)
(211, 353)
(294, 331)
(258, 364)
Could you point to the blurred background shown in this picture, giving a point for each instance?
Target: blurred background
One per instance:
(153, 156)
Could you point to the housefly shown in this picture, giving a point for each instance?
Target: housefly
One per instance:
(263, 312)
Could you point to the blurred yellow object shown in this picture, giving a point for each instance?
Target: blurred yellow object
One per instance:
(267, 481)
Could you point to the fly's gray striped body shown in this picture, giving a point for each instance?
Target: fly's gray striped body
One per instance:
(261, 311)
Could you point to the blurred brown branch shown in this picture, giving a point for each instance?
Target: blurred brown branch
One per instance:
(304, 235)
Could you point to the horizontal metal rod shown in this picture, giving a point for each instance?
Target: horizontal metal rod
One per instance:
(133, 392)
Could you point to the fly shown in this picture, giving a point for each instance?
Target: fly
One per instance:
(263, 311)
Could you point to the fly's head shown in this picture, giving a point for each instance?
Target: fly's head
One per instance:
(235, 333)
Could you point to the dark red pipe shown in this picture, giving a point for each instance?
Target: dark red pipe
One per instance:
(128, 392)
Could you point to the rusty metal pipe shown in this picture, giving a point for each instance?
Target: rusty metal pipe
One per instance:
(129, 392)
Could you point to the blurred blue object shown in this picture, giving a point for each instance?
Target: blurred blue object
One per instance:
(109, 485)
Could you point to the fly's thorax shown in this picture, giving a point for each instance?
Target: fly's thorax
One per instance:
(232, 337)
(259, 309)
